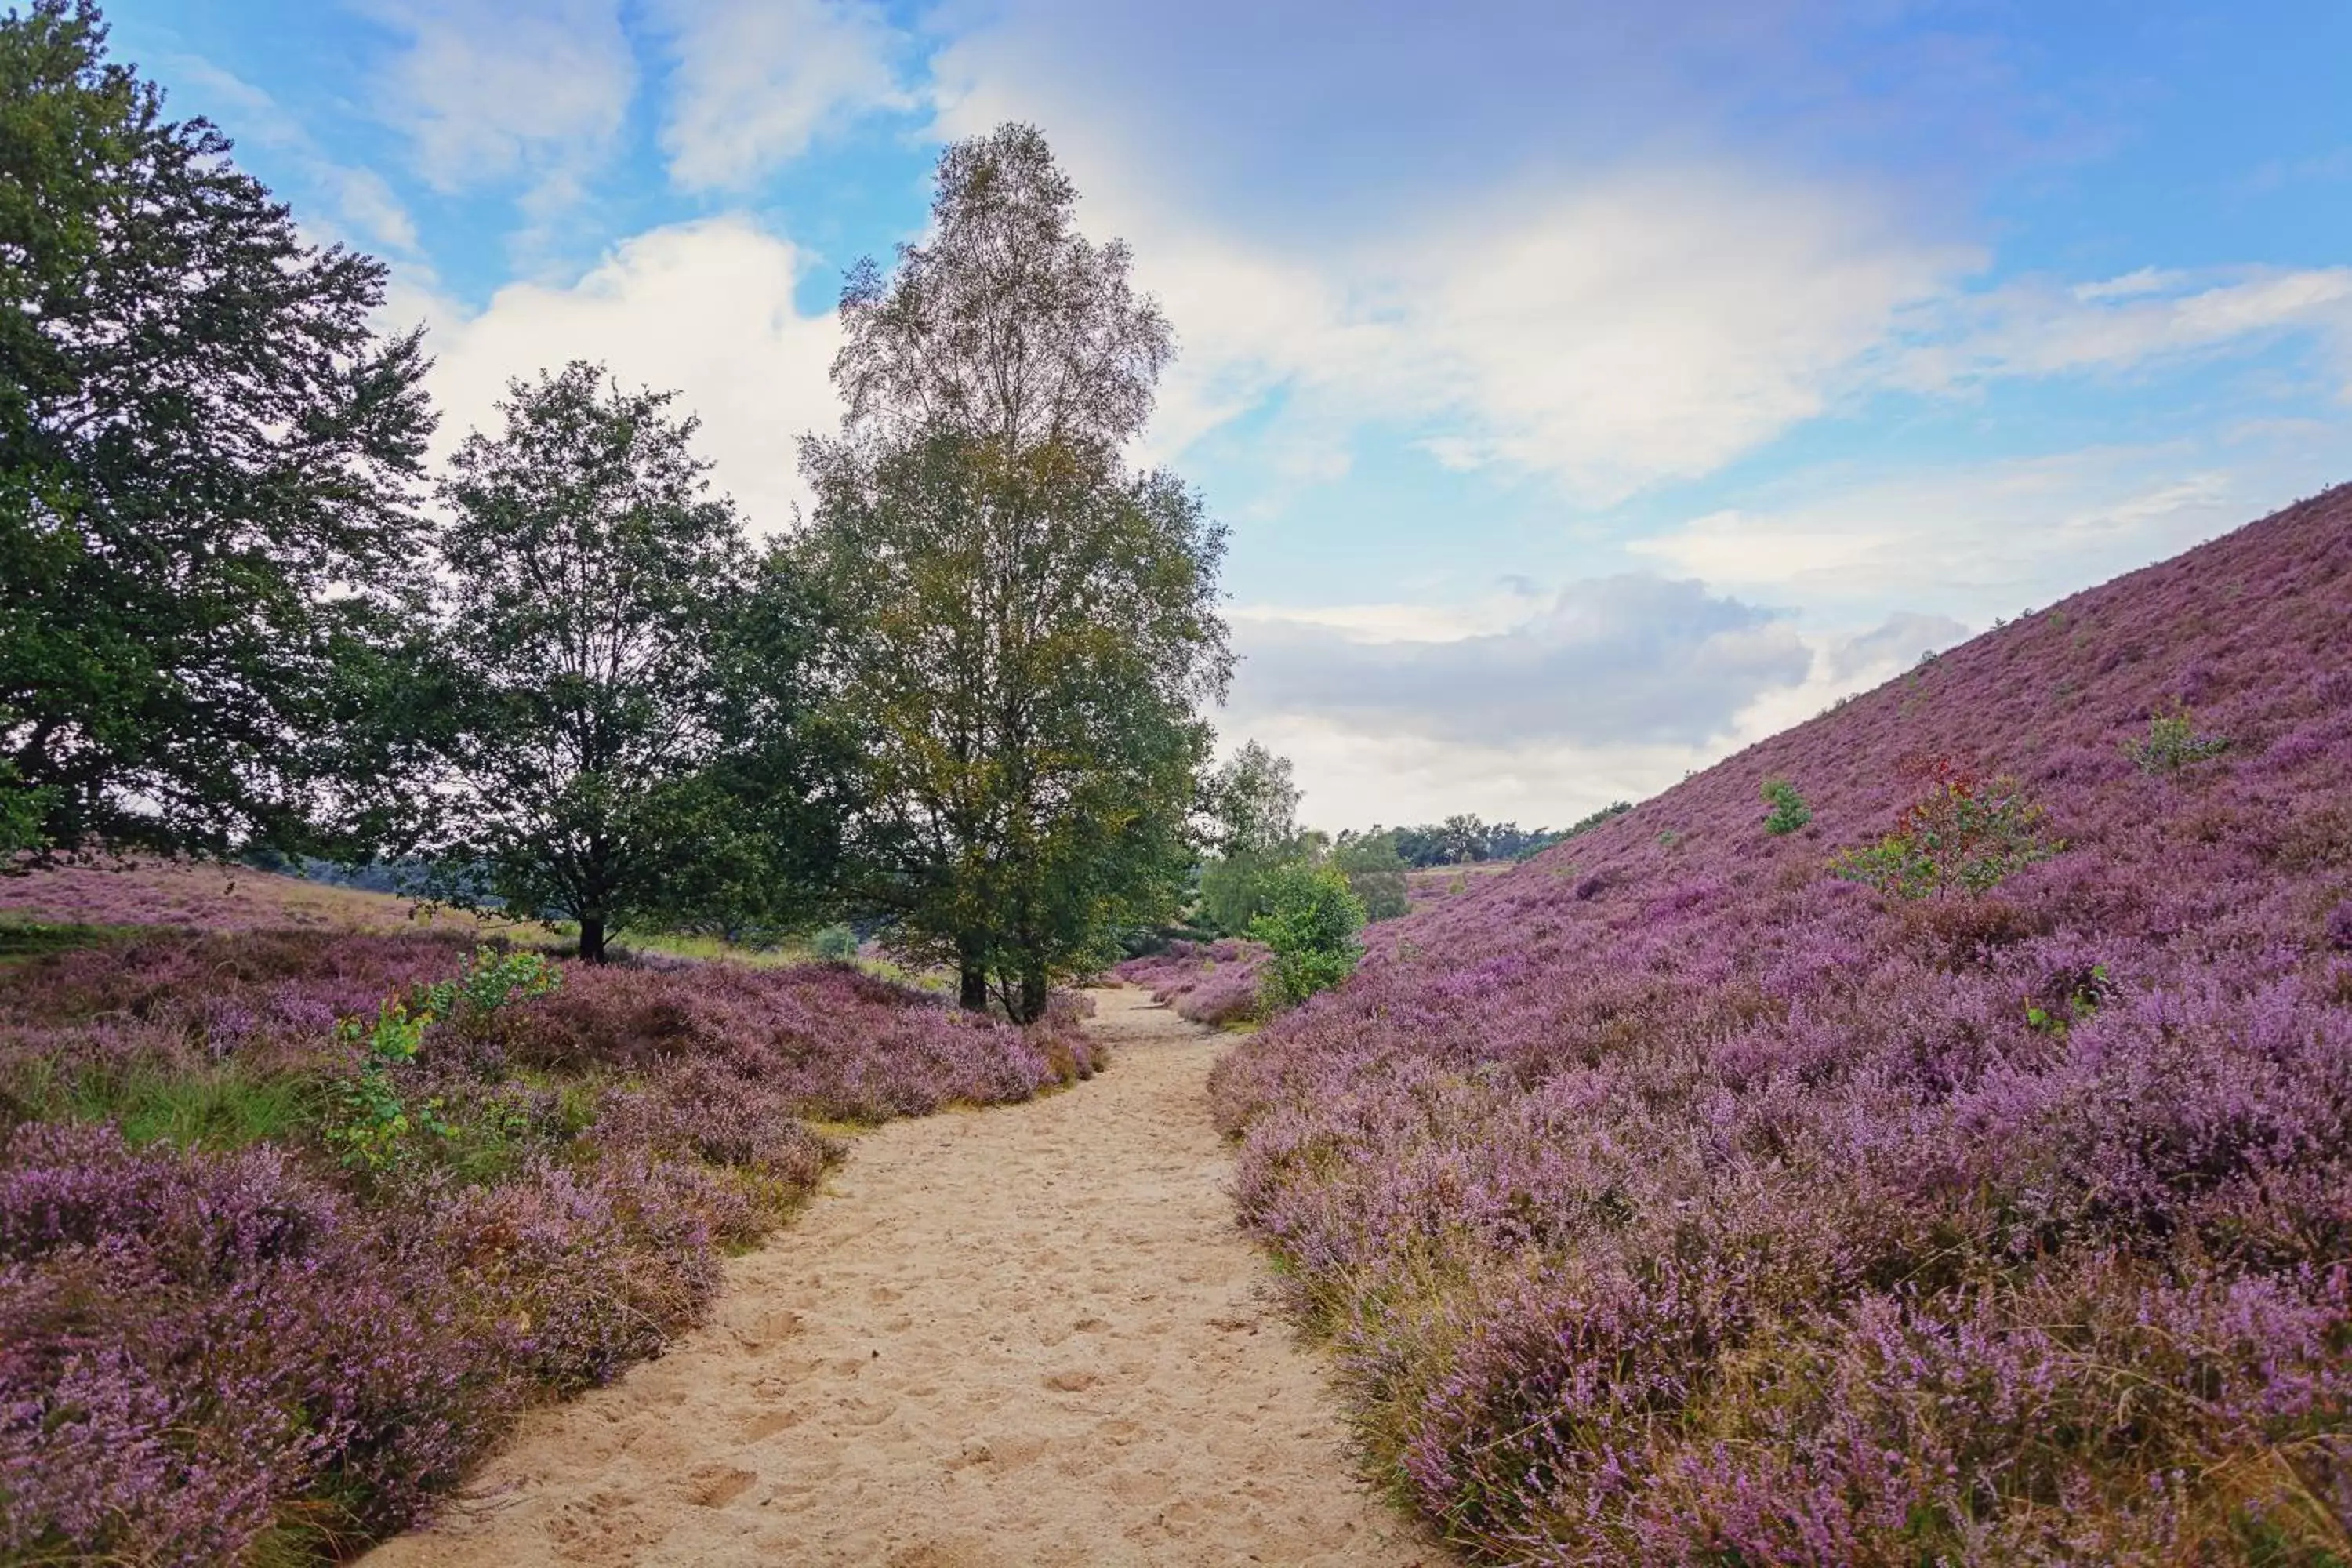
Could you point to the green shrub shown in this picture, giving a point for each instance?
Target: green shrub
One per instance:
(2172, 744)
(1961, 835)
(1311, 921)
(1789, 811)
(369, 1120)
(835, 944)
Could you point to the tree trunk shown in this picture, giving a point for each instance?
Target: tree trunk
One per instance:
(592, 939)
(971, 989)
(1033, 995)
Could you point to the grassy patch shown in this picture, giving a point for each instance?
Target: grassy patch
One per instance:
(222, 1108)
(23, 939)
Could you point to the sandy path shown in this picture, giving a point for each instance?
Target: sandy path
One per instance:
(1030, 1335)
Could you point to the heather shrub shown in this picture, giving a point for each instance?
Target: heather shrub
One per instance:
(193, 1340)
(1218, 984)
(1309, 929)
(1668, 1207)
(245, 1311)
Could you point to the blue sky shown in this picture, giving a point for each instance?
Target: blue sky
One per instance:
(1591, 388)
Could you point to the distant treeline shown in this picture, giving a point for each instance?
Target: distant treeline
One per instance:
(1251, 804)
(1463, 840)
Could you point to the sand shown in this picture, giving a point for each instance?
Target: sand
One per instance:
(1029, 1335)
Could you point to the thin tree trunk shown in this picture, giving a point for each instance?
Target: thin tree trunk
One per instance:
(971, 979)
(1033, 995)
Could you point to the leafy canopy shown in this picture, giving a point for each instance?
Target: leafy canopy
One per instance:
(592, 579)
(1310, 923)
(207, 462)
(1019, 629)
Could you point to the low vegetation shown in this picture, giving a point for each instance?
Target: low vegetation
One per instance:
(292, 1225)
(1219, 984)
(1966, 1177)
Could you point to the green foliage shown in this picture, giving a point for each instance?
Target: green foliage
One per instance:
(369, 1121)
(1465, 839)
(1019, 630)
(835, 944)
(1375, 873)
(1252, 803)
(206, 455)
(2172, 744)
(1789, 811)
(1233, 889)
(1586, 824)
(1310, 924)
(1960, 836)
(23, 811)
(2081, 999)
(568, 697)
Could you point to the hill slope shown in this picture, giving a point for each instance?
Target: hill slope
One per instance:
(1675, 1199)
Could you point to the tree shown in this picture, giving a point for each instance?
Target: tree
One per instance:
(206, 463)
(594, 585)
(1252, 802)
(1311, 921)
(1023, 629)
(1375, 872)
(1251, 810)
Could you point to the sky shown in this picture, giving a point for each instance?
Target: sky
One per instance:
(1590, 389)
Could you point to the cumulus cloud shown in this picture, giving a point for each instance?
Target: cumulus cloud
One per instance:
(533, 90)
(1548, 718)
(1633, 659)
(1979, 539)
(1637, 321)
(758, 80)
(704, 308)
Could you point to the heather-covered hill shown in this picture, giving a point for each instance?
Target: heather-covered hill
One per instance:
(1675, 1199)
(202, 895)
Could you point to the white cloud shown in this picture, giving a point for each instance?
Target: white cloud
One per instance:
(1633, 659)
(532, 89)
(705, 308)
(1613, 336)
(1517, 749)
(1976, 540)
(1353, 778)
(364, 206)
(1659, 325)
(758, 80)
(1637, 323)
(2039, 327)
